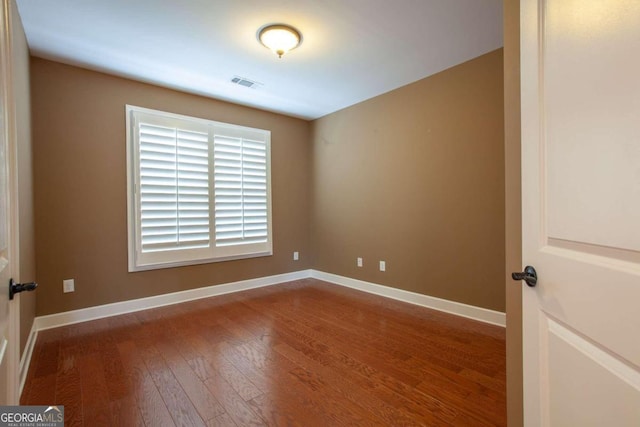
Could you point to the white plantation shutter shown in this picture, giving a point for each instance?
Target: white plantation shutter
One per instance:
(240, 176)
(199, 190)
(174, 188)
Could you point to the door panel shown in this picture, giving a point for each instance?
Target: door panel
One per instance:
(591, 127)
(582, 370)
(581, 211)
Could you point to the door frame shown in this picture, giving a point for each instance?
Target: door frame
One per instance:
(9, 137)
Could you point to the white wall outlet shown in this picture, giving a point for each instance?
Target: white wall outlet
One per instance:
(296, 256)
(359, 262)
(383, 266)
(68, 285)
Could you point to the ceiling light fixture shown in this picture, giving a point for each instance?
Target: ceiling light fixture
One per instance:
(279, 38)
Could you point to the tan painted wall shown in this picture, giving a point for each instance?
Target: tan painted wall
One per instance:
(26, 251)
(513, 226)
(80, 188)
(415, 177)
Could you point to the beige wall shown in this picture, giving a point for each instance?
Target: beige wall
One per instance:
(513, 242)
(26, 253)
(415, 177)
(80, 188)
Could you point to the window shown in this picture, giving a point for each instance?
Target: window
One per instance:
(198, 190)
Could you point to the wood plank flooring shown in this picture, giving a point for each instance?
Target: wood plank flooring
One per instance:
(305, 353)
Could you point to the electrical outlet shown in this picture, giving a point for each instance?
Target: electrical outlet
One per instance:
(383, 266)
(296, 256)
(68, 285)
(359, 262)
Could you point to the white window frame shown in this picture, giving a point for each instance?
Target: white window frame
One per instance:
(141, 261)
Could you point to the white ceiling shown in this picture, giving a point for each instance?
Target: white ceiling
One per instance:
(352, 50)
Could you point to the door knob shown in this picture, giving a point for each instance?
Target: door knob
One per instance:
(529, 275)
(15, 288)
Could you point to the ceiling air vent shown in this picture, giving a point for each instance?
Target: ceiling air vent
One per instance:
(244, 82)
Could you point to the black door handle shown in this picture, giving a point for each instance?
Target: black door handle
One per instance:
(16, 288)
(529, 275)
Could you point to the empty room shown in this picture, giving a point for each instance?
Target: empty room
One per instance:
(319, 213)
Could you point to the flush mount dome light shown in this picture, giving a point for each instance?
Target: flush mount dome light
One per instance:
(279, 38)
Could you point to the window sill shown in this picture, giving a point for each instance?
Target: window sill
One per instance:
(162, 265)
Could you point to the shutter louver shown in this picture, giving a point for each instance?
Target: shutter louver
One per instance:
(174, 188)
(240, 176)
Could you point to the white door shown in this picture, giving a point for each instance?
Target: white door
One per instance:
(580, 64)
(8, 309)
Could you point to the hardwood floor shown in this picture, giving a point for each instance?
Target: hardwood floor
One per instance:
(304, 353)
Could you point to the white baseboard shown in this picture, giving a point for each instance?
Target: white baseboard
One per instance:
(98, 312)
(459, 309)
(116, 308)
(25, 360)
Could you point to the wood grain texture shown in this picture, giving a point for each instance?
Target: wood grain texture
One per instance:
(304, 353)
